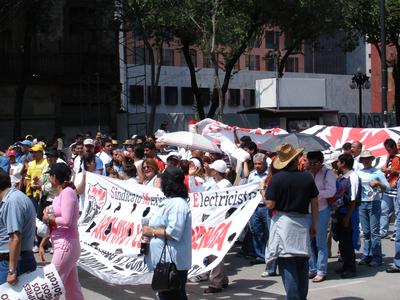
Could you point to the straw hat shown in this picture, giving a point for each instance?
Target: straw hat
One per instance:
(366, 154)
(285, 154)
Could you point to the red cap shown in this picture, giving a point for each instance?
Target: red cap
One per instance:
(11, 153)
(192, 122)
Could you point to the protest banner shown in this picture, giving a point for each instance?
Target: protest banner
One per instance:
(44, 283)
(110, 226)
(371, 138)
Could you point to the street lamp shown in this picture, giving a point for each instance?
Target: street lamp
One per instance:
(360, 81)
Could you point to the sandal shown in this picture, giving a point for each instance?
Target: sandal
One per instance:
(319, 278)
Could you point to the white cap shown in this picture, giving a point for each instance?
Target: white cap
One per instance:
(88, 142)
(219, 166)
(196, 162)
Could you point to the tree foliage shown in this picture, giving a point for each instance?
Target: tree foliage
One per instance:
(361, 19)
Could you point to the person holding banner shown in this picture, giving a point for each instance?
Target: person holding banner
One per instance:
(62, 217)
(173, 220)
(150, 170)
(289, 194)
(17, 232)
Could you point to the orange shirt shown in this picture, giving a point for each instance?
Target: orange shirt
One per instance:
(394, 164)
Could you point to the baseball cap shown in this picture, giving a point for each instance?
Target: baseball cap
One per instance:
(37, 148)
(26, 143)
(11, 153)
(51, 152)
(88, 142)
(219, 166)
(196, 162)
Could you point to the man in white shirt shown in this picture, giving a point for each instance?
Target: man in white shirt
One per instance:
(356, 148)
(218, 279)
(15, 169)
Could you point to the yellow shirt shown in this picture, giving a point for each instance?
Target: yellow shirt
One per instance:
(35, 170)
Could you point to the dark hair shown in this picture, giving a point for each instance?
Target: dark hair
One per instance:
(390, 143)
(315, 155)
(250, 145)
(184, 166)
(346, 146)
(88, 158)
(149, 145)
(105, 141)
(5, 181)
(347, 160)
(231, 176)
(62, 173)
(245, 138)
(172, 183)
(140, 137)
(139, 151)
(130, 170)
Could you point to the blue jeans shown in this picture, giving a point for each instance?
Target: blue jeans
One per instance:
(370, 212)
(388, 207)
(319, 261)
(26, 263)
(294, 271)
(397, 241)
(179, 294)
(259, 224)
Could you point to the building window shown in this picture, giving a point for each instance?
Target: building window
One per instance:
(249, 98)
(270, 63)
(257, 42)
(234, 97)
(253, 62)
(157, 96)
(171, 95)
(205, 96)
(187, 96)
(292, 64)
(193, 57)
(168, 57)
(136, 94)
(272, 39)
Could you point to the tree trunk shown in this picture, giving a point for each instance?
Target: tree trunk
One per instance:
(25, 72)
(285, 57)
(193, 80)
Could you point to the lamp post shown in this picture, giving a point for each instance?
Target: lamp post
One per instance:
(360, 81)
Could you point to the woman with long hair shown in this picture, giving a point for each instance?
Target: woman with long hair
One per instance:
(173, 221)
(150, 171)
(62, 217)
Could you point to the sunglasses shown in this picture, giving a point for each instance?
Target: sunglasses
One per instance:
(147, 168)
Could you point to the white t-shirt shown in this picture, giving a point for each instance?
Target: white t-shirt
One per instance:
(132, 181)
(354, 183)
(15, 173)
(77, 164)
(77, 180)
(105, 158)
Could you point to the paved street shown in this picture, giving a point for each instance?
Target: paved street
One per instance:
(246, 283)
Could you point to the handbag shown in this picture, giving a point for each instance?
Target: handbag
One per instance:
(165, 277)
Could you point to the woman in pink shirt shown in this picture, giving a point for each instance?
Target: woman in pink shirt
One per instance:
(62, 218)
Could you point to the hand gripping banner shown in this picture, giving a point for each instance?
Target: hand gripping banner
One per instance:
(110, 226)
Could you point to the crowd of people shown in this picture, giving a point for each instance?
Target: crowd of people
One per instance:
(308, 201)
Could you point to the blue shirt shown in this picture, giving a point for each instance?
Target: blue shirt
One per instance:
(175, 216)
(17, 214)
(367, 175)
(21, 157)
(4, 163)
(99, 164)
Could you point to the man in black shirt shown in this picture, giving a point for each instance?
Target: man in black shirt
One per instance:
(289, 194)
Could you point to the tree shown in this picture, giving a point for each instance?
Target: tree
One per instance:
(223, 30)
(153, 20)
(361, 20)
(300, 21)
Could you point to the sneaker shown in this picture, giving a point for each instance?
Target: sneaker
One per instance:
(35, 249)
(393, 238)
(267, 274)
(393, 269)
(51, 250)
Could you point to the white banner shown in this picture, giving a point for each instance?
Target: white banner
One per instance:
(44, 283)
(111, 221)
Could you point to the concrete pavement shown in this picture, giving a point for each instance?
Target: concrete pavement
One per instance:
(246, 283)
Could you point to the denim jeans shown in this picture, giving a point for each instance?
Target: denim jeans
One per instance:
(294, 271)
(26, 263)
(176, 294)
(319, 261)
(388, 207)
(259, 227)
(397, 241)
(370, 212)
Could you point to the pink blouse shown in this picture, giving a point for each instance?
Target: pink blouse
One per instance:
(66, 211)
